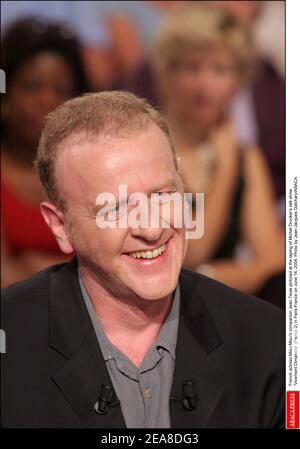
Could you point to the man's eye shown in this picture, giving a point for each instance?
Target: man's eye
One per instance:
(107, 214)
(117, 211)
(113, 211)
(161, 197)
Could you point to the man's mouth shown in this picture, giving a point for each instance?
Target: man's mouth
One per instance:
(148, 254)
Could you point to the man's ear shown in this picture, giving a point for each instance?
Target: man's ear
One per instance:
(55, 220)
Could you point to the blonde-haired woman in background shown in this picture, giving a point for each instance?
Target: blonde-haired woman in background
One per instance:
(201, 57)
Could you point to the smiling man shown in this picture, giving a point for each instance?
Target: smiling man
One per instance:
(122, 336)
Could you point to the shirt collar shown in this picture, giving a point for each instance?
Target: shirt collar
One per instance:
(167, 337)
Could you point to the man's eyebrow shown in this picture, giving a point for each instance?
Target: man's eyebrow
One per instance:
(108, 204)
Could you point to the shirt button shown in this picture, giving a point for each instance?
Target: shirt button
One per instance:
(148, 393)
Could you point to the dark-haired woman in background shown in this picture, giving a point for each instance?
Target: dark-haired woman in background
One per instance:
(43, 69)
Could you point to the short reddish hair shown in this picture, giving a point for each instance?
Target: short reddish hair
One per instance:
(114, 113)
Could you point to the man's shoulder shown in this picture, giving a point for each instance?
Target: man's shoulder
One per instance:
(25, 316)
(33, 291)
(250, 346)
(235, 311)
(217, 292)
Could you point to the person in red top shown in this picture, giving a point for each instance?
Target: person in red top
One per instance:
(43, 69)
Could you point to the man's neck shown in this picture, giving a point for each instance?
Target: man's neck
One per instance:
(132, 325)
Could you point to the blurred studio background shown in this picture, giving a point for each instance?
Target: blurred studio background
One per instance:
(215, 68)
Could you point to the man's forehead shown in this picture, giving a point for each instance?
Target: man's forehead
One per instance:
(98, 162)
(113, 151)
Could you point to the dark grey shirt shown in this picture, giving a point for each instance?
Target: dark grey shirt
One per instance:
(144, 392)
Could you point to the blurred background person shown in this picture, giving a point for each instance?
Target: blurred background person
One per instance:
(132, 26)
(264, 17)
(258, 108)
(86, 21)
(43, 68)
(201, 57)
(115, 36)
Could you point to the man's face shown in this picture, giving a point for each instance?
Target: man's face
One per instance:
(145, 164)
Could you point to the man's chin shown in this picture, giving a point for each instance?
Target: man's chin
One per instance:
(153, 290)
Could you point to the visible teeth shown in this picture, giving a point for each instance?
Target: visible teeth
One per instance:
(149, 254)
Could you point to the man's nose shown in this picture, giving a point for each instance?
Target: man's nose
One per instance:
(149, 234)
